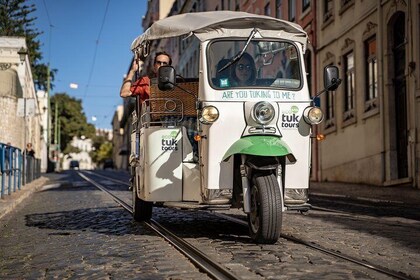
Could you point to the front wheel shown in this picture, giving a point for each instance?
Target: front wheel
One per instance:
(265, 218)
(142, 210)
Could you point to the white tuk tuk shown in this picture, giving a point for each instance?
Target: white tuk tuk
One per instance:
(239, 134)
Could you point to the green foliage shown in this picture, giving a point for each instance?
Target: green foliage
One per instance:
(15, 20)
(102, 149)
(71, 119)
(71, 149)
(105, 151)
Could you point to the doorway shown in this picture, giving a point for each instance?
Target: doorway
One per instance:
(398, 44)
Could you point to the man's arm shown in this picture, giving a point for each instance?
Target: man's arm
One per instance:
(128, 81)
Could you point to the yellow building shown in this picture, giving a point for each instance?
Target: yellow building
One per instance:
(373, 119)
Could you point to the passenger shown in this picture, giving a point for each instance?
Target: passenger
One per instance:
(141, 86)
(244, 73)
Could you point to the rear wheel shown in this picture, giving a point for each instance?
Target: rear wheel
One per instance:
(142, 210)
(265, 218)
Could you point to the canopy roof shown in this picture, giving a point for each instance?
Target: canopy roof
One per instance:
(208, 25)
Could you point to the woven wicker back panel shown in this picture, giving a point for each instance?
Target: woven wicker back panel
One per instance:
(159, 98)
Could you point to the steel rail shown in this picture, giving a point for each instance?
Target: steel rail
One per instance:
(201, 260)
(108, 178)
(383, 270)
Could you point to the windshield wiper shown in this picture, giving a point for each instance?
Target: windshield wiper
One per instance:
(241, 53)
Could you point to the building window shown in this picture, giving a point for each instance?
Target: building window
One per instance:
(371, 69)
(305, 4)
(329, 110)
(328, 10)
(349, 86)
(292, 10)
(267, 10)
(278, 9)
(345, 4)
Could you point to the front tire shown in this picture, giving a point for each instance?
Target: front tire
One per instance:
(142, 210)
(265, 218)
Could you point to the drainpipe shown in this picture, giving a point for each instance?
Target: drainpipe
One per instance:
(412, 140)
(381, 88)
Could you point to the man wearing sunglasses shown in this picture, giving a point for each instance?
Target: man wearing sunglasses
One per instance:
(141, 86)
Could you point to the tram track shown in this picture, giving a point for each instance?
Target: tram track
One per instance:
(206, 264)
(173, 239)
(366, 264)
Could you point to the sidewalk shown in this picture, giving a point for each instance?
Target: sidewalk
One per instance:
(11, 201)
(394, 194)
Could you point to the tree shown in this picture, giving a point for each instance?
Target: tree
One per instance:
(71, 120)
(15, 20)
(102, 149)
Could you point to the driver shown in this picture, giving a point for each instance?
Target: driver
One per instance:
(141, 86)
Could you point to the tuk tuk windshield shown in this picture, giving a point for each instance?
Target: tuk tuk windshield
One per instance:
(272, 64)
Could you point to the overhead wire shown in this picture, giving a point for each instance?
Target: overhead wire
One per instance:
(96, 49)
(50, 33)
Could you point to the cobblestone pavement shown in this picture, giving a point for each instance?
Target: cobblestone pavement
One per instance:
(76, 231)
(226, 241)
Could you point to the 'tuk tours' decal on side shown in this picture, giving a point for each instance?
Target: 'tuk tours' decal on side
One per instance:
(169, 142)
(290, 118)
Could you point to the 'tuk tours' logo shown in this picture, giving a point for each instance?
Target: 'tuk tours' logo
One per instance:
(169, 142)
(290, 118)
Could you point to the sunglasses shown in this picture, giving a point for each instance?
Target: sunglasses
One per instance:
(162, 63)
(242, 67)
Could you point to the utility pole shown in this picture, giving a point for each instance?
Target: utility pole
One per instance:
(49, 167)
(57, 138)
(56, 123)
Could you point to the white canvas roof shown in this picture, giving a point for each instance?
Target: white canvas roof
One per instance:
(208, 25)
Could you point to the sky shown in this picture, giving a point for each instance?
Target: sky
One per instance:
(88, 42)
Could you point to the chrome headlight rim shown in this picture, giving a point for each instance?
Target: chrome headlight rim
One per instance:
(313, 115)
(209, 114)
(257, 109)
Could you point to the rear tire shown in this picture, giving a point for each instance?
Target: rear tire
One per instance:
(142, 210)
(265, 218)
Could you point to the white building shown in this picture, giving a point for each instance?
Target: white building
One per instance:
(16, 85)
(85, 161)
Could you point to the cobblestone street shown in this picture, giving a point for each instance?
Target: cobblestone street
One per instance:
(76, 231)
(70, 229)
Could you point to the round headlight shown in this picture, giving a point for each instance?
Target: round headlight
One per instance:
(209, 114)
(263, 112)
(313, 115)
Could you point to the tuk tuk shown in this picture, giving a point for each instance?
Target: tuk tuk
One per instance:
(238, 135)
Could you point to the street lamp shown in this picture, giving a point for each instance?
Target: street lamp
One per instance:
(22, 54)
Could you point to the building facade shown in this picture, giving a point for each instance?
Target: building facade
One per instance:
(372, 120)
(85, 146)
(120, 148)
(21, 115)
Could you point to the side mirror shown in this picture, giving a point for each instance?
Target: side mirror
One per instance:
(331, 79)
(166, 78)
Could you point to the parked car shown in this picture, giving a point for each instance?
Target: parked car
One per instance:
(74, 164)
(108, 163)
